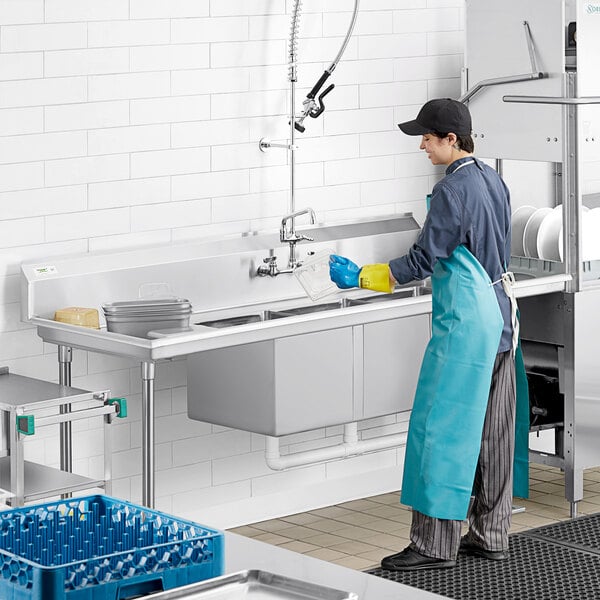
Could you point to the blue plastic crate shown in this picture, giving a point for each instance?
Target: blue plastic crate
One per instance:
(101, 548)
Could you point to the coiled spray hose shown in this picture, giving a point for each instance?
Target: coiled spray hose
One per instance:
(311, 107)
(293, 42)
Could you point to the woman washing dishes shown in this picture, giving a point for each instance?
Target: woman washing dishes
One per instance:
(462, 427)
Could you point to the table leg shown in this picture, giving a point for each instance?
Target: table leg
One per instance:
(148, 369)
(65, 357)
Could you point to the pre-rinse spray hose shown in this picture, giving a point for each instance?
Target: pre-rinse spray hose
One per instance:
(311, 108)
(293, 42)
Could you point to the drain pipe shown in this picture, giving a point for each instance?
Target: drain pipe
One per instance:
(351, 446)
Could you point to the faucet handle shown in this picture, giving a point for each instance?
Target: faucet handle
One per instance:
(269, 260)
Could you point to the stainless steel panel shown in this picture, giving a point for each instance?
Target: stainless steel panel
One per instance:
(92, 279)
(587, 379)
(588, 47)
(234, 387)
(275, 388)
(543, 318)
(496, 47)
(255, 585)
(393, 351)
(313, 381)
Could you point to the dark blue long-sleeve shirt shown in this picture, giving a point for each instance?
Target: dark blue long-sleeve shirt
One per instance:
(469, 206)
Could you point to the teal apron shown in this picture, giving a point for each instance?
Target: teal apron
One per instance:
(452, 393)
(446, 422)
(521, 461)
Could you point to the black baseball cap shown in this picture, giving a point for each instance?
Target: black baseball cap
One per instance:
(442, 115)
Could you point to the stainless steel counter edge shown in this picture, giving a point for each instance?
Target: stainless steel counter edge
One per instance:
(244, 553)
(203, 338)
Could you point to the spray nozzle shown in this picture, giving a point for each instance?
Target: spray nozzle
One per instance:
(311, 107)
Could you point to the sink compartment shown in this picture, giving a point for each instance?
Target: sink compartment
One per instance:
(411, 292)
(264, 315)
(313, 308)
(307, 309)
(269, 315)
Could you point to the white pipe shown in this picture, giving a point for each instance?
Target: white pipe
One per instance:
(351, 446)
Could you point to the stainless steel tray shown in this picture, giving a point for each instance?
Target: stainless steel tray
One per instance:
(254, 585)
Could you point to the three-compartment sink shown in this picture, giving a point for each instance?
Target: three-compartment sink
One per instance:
(268, 315)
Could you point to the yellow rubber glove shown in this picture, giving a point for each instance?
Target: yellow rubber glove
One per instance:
(376, 277)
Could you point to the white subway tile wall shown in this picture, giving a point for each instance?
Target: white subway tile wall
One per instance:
(130, 122)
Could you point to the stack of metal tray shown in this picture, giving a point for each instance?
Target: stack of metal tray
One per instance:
(138, 317)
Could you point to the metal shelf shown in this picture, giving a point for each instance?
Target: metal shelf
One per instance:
(20, 399)
(43, 482)
(27, 393)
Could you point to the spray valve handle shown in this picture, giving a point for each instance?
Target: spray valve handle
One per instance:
(317, 111)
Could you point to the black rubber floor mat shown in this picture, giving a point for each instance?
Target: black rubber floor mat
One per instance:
(535, 570)
(582, 532)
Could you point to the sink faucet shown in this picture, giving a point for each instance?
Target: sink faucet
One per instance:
(288, 235)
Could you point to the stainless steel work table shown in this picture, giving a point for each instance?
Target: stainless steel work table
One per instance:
(201, 339)
(245, 553)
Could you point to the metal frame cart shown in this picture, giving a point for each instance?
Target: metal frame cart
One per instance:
(551, 114)
(20, 399)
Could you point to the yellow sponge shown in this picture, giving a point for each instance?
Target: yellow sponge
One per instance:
(76, 315)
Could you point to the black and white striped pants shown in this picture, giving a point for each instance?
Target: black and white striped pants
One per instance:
(491, 511)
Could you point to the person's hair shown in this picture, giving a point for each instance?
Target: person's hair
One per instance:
(463, 142)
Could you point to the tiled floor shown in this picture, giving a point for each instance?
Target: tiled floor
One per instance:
(360, 533)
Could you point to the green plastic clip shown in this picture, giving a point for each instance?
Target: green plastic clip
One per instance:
(26, 424)
(122, 403)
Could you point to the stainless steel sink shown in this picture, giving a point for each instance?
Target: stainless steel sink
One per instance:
(312, 308)
(410, 292)
(264, 315)
(268, 315)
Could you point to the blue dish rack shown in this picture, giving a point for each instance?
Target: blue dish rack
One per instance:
(101, 548)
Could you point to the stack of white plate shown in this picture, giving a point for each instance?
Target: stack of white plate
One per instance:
(530, 233)
(519, 220)
(549, 236)
(538, 233)
(138, 317)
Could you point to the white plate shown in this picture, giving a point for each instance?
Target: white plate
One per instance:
(548, 235)
(518, 220)
(531, 231)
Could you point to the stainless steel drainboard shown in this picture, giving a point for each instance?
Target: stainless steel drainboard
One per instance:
(268, 315)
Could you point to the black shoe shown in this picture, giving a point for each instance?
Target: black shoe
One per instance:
(468, 547)
(411, 560)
